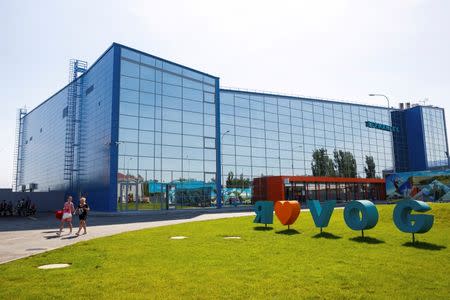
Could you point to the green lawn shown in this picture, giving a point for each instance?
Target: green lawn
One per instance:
(264, 264)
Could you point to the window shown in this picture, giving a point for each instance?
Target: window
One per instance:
(209, 143)
(89, 90)
(130, 54)
(65, 112)
(129, 69)
(208, 97)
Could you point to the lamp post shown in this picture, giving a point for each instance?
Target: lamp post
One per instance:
(381, 95)
(219, 205)
(390, 121)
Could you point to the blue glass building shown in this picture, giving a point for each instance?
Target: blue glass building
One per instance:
(135, 131)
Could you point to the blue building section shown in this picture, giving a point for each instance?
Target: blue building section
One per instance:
(400, 141)
(415, 137)
(421, 142)
(147, 133)
(43, 154)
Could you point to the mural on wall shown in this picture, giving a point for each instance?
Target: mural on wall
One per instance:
(423, 185)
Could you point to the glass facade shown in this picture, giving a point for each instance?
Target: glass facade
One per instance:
(435, 137)
(167, 131)
(264, 134)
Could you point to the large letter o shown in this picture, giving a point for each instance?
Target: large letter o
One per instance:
(369, 215)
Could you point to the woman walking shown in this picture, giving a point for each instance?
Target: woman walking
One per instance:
(68, 211)
(82, 210)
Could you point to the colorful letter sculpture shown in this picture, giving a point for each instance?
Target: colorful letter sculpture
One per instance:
(321, 214)
(407, 222)
(287, 211)
(264, 212)
(369, 215)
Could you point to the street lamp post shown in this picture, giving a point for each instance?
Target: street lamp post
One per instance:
(381, 95)
(219, 205)
(390, 121)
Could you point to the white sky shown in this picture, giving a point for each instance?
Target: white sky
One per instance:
(332, 49)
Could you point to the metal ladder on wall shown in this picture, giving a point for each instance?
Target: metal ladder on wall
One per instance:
(18, 149)
(73, 151)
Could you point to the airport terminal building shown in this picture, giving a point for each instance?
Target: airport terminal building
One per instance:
(134, 131)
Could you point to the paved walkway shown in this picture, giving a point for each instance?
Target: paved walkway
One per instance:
(22, 237)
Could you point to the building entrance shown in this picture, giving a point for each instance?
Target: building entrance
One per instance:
(128, 196)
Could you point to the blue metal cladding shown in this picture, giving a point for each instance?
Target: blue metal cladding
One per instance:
(114, 144)
(45, 132)
(400, 141)
(415, 137)
(96, 120)
(43, 149)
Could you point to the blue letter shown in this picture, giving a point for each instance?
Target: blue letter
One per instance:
(321, 214)
(407, 222)
(264, 212)
(368, 212)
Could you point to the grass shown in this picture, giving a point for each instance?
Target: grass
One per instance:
(266, 263)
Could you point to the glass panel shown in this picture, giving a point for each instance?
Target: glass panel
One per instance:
(129, 68)
(192, 141)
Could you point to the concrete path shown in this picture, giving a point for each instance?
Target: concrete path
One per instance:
(22, 237)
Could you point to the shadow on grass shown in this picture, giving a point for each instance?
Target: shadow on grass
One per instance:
(367, 240)
(424, 246)
(262, 228)
(288, 232)
(327, 235)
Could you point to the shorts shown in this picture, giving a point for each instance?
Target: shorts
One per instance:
(82, 217)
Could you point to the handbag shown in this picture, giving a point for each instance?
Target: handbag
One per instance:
(59, 214)
(67, 215)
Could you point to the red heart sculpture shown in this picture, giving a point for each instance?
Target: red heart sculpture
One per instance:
(287, 211)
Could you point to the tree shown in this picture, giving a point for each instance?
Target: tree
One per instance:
(370, 169)
(234, 182)
(321, 164)
(345, 164)
(230, 179)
